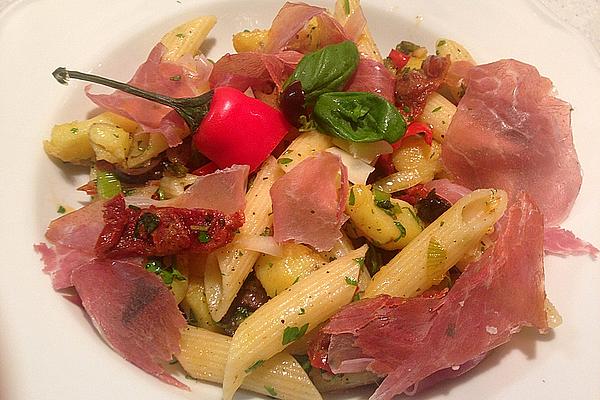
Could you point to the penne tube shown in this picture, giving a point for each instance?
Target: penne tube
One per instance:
(442, 244)
(326, 382)
(306, 145)
(290, 315)
(438, 113)
(186, 39)
(224, 278)
(204, 354)
(344, 11)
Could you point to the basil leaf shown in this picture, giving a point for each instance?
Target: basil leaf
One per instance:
(358, 117)
(325, 70)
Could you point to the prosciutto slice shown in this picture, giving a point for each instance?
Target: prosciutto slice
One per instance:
(511, 133)
(308, 202)
(186, 78)
(411, 339)
(448, 190)
(74, 235)
(255, 70)
(561, 242)
(290, 20)
(371, 76)
(134, 312)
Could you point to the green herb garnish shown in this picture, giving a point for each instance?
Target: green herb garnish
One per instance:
(148, 221)
(204, 237)
(351, 198)
(61, 210)
(293, 333)
(271, 391)
(284, 161)
(351, 281)
(257, 364)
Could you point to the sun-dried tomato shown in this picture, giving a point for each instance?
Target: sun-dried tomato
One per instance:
(161, 231)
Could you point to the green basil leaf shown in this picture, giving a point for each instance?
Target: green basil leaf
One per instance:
(325, 70)
(358, 117)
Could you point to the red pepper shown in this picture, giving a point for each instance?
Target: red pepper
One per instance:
(398, 58)
(239, 129)
(206, 169)
(229, 127)
(414, 129)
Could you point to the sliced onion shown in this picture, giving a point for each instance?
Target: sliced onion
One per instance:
(358, 171)
(262, 244)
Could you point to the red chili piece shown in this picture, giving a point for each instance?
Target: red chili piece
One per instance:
(161, 231)
(414, 129)
(239, 129)
(398, 58)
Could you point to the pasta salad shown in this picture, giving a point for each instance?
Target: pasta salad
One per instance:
(306, 215)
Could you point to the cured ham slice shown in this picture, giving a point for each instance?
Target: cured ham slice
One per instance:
(74, 235)
(308, 202)
(509, 132)
(134, 311)
(561, 242)
(411, 339)
(448, 190)
(292, 18)
(371, 76)
(186, 78)
(255, 70)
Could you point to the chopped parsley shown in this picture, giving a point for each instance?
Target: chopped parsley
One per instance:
(284, 161)
(351, 281)
(351, 198)
(402, 230)
(356, 297)
(61, 210)
(302, 311)
(257, 364)
(148, 221)
(175, 78)
(271, 391)
(293, 333)
(167, 274)
(180, 35)
(347, 7)
(204, 237)
(360, 261)
(296, 280)
(438, 108)
(266, 232)
(74, 130)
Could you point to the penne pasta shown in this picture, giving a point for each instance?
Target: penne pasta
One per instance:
(186, 39)
(290, 315)
(438, 113)
(109, 142)
(306, 145)
(344, 11)
(194, 303)
(442, 244)
(326, 382)
(224, 278)
(204, 354)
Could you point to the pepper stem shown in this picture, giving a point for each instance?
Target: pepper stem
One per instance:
(191, 109)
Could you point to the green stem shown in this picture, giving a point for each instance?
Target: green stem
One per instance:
(191, 109)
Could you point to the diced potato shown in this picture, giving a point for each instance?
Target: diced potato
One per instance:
(278, 273)
(109, 142)
(70, 142)
(453, 49)
(250, 40)
(390, 228)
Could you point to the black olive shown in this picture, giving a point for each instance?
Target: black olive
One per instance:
(431, 207)
(291, 102)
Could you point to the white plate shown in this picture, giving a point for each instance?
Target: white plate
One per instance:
(49, 350)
